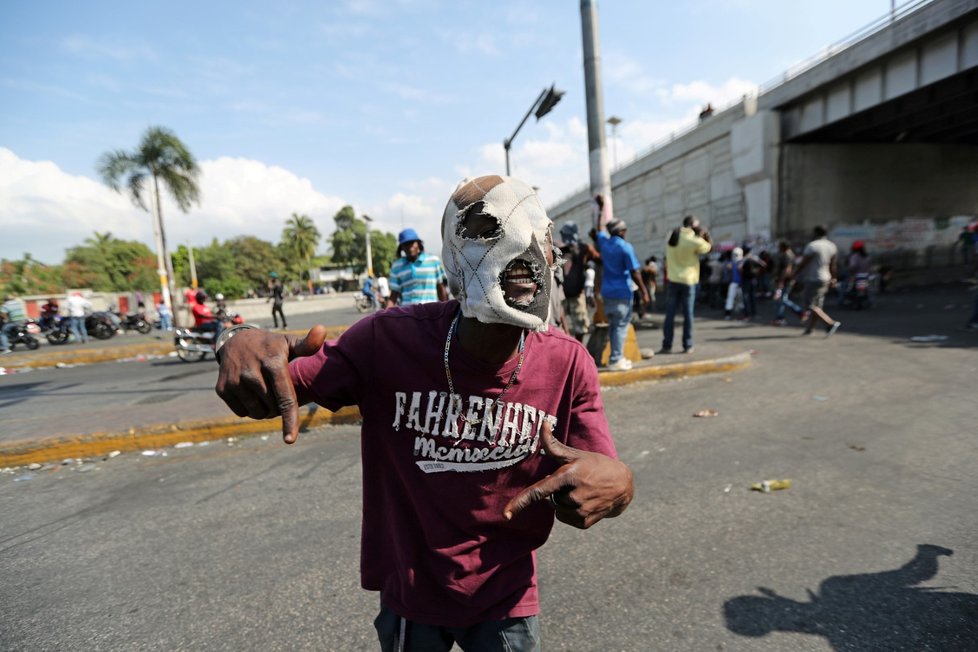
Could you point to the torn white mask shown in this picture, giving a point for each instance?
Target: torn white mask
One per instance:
(494, 228)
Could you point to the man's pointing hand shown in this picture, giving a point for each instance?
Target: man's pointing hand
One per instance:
(585, 489)
(254, 379)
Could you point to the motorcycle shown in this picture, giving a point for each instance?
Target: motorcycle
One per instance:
(859, 291)
(102, 325)
(134, 322)
(364, 303)
(60, 330)
(25, 333)
(193, 344)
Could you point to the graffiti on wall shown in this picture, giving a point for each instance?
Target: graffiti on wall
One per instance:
(908, 234)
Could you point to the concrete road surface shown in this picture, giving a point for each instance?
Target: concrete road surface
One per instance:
(253, 544)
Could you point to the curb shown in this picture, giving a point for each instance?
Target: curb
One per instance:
(52, 449)
(675, 370)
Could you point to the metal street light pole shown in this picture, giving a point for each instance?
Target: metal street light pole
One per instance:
(614, 121)
(597, 150)
(542, 105)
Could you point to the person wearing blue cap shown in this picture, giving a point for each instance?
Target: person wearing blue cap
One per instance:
(416, 277)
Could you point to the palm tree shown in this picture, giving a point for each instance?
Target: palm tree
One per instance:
(301, 237)
(162, 157)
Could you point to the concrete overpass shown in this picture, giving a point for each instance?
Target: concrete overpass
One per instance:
(877, 139)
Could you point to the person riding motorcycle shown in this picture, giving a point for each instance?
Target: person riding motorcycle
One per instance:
(367, 290)
(49, 312)
(12, 313)
(204, 319)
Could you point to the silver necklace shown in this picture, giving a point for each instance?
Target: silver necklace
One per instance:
(448, 371)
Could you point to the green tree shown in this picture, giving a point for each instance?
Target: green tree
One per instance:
(300, 237)
(29, 276)
(160, 157)
(383, 250)
(105, 263)
(349, 243)
(254, 258)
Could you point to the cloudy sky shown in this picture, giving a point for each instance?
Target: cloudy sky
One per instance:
(298, 106)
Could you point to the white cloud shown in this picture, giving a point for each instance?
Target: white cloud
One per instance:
(703, 92)
(622, 70)
(87, 47)
(46, 210)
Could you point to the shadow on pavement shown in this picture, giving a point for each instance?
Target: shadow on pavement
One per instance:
(872, 611)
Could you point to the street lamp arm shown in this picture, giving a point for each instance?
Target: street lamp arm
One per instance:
(509, 141)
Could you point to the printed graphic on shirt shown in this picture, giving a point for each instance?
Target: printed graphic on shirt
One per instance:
(476, 433)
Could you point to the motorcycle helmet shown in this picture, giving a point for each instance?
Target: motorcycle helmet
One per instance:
(201, 296)
(218, 297)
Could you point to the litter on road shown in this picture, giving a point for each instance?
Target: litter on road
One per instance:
(928, 338)
(767, 486)
(709, 412)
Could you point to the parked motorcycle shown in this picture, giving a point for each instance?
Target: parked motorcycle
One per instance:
(25, 333)
(134, 322)
(102, 325)
(60, 330)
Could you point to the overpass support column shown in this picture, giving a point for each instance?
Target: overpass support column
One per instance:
(755, 143)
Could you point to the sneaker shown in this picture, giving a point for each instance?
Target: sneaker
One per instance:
(779, 322)
(833, 328)
(5, 352)
(623, 364)
(664, 351)
(807, 331)
(689, 350)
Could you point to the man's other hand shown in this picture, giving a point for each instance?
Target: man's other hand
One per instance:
(254, 379)
(585, 489)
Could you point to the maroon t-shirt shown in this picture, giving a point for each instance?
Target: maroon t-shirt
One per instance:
(434, 541)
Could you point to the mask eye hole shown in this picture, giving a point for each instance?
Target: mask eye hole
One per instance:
(476, 224)
(558, 258)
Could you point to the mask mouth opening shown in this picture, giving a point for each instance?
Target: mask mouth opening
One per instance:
(521, 274)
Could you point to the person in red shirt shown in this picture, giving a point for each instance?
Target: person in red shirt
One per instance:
(482, 424)
(204, 319)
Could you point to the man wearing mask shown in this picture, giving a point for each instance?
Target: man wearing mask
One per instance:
(683, 250)
(459, 401)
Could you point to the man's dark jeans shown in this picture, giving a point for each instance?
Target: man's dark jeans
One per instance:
(679, 295)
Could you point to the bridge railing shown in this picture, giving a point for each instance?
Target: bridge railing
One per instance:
(897, 12)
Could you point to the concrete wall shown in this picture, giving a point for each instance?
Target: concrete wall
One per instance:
(906, 198)
(694, 174)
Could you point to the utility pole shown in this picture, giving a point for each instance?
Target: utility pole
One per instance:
(597, 151)
(370, 260)
(193, 266)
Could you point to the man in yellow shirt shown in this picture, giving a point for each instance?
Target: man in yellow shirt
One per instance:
(683, 251)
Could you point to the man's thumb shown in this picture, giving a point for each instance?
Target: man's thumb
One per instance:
(554, 447)
(308, 345)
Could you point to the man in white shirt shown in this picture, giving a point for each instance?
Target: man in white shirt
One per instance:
(818, 273)
(77, 307)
